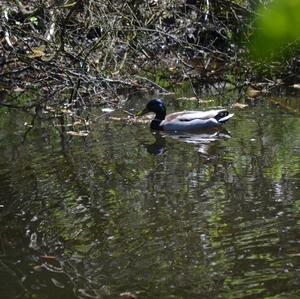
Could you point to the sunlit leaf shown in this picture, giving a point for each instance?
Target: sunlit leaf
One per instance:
(33, 20)
(37, 52)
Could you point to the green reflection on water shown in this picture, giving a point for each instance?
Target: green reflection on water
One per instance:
(126, 210)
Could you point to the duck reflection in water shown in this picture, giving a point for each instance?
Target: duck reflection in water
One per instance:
(158, 146)
(202, 138)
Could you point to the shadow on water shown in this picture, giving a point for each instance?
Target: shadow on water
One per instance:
(207, 215)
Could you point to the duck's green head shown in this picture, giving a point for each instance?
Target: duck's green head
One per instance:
(157, 106)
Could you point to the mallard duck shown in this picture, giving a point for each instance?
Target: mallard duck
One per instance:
(184, 120)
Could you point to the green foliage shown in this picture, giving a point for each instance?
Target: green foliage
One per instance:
(277, 30)
(34, 20)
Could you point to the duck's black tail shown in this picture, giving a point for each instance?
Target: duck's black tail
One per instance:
(223, 116)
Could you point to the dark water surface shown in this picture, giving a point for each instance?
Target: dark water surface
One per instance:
(215, 215)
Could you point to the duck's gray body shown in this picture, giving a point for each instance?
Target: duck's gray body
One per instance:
(184, 120)
(193, 120)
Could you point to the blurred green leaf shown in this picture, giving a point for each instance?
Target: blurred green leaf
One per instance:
(277, 32)
(33, 20)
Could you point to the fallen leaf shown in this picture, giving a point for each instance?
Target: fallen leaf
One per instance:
(66, 125)
(115, 118)
(108, 110)
(19, 89)
(50, 257)
(188, 99)
(37, 52)
(253, 92)
(26, 124)
(80, 133)
(78, 123)
(66, 111)
(297, 86)
(128, 295)
(49, 109)
(48, 57)
(294, 254)
(239, 105)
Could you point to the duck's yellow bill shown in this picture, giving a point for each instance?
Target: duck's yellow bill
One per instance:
(142, 112)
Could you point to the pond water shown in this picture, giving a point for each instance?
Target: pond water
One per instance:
(215, 215)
